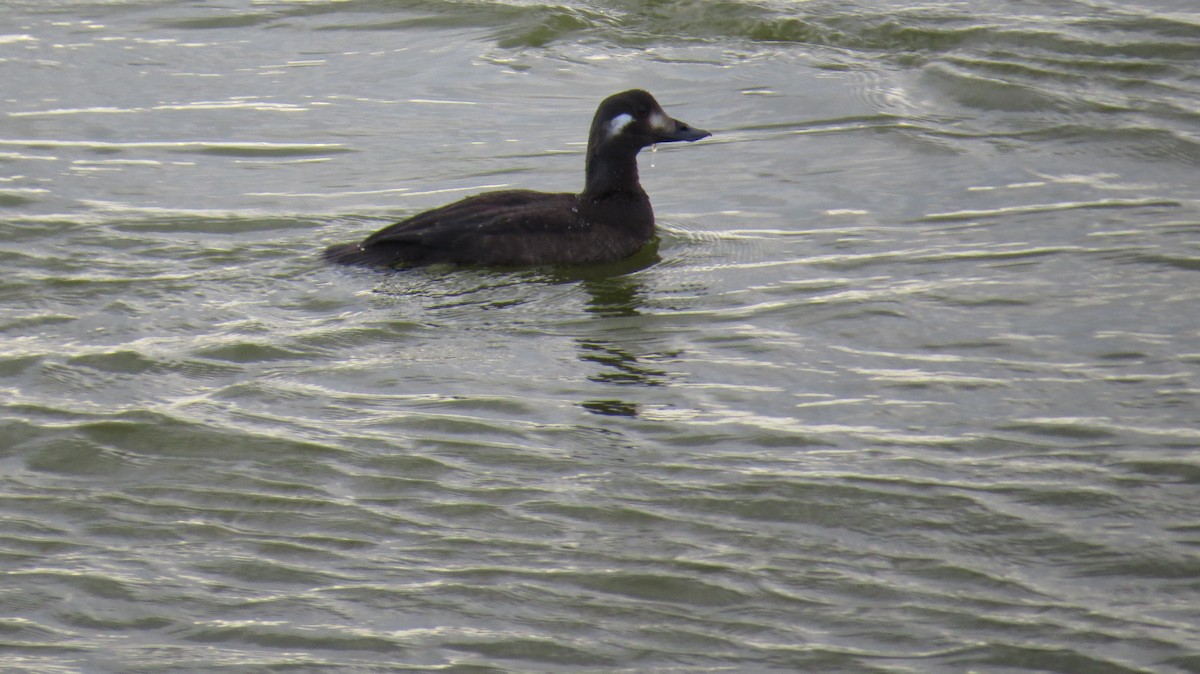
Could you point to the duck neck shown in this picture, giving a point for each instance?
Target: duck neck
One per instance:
(611, 170)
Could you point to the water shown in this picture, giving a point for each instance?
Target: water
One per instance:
(909, 383)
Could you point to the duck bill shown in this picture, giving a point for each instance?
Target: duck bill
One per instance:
(672, 130)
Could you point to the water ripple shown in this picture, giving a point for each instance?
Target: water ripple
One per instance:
(907, 383)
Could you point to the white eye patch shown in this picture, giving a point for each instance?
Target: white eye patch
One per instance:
(661, 123)
(617, 124)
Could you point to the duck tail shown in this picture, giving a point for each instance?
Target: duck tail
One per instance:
(353, 254)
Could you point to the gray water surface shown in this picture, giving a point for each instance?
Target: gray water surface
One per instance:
(909, 383)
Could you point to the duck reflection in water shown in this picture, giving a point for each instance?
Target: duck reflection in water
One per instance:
(618, 296)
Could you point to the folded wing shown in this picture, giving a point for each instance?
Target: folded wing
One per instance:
(496, 228)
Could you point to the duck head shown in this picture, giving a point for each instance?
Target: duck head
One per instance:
(633, 119)
(624, 124)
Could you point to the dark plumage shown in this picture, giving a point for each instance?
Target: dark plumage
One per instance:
(609, 220)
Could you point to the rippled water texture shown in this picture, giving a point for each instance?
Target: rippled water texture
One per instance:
(908, 384)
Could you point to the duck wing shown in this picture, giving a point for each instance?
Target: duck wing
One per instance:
(482, 214)
(512, 227)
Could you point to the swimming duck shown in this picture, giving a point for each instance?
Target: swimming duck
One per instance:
(609, 220)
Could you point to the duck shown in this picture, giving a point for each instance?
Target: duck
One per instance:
(610, 220)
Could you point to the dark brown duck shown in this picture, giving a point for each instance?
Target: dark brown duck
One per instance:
(609, 220)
